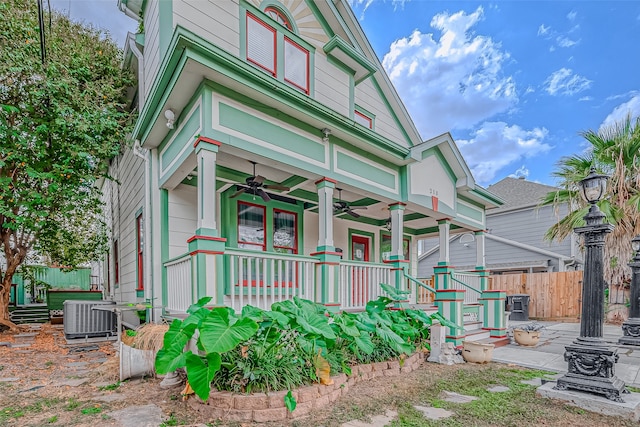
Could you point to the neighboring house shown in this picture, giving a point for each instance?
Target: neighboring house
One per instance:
(295, 87)
(514, 241)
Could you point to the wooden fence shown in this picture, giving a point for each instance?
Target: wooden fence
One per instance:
(552, 295)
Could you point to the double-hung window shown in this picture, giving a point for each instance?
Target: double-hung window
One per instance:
(277, 50)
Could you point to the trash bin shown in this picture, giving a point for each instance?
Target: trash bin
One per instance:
(518, 304)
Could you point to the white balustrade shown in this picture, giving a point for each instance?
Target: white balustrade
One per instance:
(179, 286)
(360, 283)
(260, 278)
(472, 288)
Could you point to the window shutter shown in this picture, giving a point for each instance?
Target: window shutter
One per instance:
(296, 65)
(261, 44)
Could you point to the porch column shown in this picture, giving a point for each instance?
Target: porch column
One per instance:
(493, 319)
(327, 284)
(450, 304)
(396, 259)
(443, 270)
(206, 153)
(480, 260)
(206, 247)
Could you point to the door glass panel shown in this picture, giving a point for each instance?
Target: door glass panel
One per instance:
(251, 227)
(284, 232)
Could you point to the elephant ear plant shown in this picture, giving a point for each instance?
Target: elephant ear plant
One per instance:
(219, 331)
(298, 342)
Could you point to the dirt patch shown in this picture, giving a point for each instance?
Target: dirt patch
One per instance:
(38, 395)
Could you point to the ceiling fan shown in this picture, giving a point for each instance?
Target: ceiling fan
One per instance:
(343, 207)
(255, 184)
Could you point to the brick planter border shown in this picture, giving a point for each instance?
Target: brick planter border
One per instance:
(267, 407)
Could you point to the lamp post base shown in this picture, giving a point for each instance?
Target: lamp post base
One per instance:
(631, 332)
(592, 369)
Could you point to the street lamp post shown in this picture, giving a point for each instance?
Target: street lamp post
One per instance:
(631, 327)
(591, 361)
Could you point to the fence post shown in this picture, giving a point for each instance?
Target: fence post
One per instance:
(450, 304)
(493, 317)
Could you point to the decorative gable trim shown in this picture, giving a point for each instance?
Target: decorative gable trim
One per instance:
(340, 51)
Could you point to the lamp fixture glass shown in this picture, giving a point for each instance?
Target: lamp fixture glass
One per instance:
(635, 243)
(593, 187)
(171, 117)
(387, 224)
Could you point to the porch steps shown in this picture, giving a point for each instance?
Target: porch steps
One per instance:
(30, 314)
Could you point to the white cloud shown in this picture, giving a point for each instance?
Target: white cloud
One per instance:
(542, 30)
(631, 107)
(586, 98)
(564, 82)
(571, 16)
(566, 41)
(529, 90)
(450, 82)
(521, 171)
(364, 4)
(496, 145)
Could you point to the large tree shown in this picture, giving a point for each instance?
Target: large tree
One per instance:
(613, 150)
(63, 115)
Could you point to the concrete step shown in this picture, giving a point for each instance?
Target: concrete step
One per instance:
(477, 335)
(472, 325)
(497, 342)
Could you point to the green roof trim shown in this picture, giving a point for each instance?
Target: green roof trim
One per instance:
(339, 50)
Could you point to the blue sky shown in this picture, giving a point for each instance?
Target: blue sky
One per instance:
(515, 82)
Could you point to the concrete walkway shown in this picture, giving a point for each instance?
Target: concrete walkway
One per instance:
(548, 355)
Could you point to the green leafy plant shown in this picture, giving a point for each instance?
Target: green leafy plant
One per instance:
(297, 342)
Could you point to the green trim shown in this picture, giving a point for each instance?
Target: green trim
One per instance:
(369, 235)
(341, 51)
(311, 4)
(282, 8)
(186, 45)
(165, 24)
(470, 201)
(229, 214)
(164, 241)
(405, 237)
(281, 33)
(487, 195)
(469, 212)
(274, 134)
(392, 112)
(139, 293)
(366, 113)
(293, 180)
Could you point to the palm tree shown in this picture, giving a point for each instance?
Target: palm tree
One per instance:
(613, 150)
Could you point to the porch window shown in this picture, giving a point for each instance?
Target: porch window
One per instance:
(284, 232)
(385, 247)
(139, 251)
(251, 227)
(275, 50)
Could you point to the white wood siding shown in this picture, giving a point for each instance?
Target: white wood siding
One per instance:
(331, 85)
(152, 46)
(124, 199)
(214, 20)
(367, 97)
(183, 202)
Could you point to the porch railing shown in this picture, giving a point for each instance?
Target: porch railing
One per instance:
(470, 283)
(425, 289)
(262, 278)
(360, 283)
(179, 288)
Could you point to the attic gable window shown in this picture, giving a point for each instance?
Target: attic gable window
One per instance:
(278, 16)
(277, 50)
(363, 117)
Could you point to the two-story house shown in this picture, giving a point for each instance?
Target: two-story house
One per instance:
(272, 158)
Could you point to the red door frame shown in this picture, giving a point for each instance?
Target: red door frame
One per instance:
(359, 285)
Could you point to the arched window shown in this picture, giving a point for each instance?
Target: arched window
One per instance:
(278, 16)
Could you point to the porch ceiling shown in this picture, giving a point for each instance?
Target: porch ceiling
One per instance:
(234, 166)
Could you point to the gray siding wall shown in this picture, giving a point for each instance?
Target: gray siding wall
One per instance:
(529, 226)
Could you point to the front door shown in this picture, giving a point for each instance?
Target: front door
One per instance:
(359, 283)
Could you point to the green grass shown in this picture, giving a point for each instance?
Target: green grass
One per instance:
(110, 387)
(15, 412)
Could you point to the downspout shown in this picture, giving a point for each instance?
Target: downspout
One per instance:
(143, 154)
